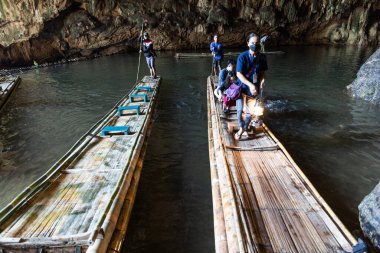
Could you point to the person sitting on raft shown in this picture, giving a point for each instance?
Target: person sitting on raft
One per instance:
(217, 53)
(227, 76)
(251, 66)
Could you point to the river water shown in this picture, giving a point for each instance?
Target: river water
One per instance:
(334, 139)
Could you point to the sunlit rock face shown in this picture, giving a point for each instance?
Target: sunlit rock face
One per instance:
(369, 216)
(51, 30)
(367, 83)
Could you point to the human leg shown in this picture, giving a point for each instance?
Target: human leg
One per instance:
(214, 65)
(239, 111)
(154, 67)
(219, 65)
(151, 66)
(250, 109)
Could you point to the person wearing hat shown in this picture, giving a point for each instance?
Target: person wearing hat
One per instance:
(217, 53)
(149, 54)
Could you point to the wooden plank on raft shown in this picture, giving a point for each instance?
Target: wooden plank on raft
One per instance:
(277, 208)
(219, 224)
(80, 199)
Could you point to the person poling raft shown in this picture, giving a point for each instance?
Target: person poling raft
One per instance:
(216, 49)
(149, 53)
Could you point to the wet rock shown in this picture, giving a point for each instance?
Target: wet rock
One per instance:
(367, 82)
(62, 29)
(369, 216)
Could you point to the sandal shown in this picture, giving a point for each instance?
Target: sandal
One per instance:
(238, 135)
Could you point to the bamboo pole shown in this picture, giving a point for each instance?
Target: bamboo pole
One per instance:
(234, 238)
(219, 224)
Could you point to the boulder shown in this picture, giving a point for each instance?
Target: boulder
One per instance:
(367, 82)
(369, 216)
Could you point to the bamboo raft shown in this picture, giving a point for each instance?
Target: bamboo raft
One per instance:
(83, 203)
(197, 55)
(7, 86)
(262, 202)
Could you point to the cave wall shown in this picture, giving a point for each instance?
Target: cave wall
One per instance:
(50, 30)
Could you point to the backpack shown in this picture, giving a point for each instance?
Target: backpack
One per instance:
(233, 92)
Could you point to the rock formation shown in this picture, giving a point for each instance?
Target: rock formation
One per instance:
(367, 82)
(41, 31)
(369, 216)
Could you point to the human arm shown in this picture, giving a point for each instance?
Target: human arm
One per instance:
(153, 51)
(262, 79)
(212, 48)
(218, 93)
(263, 68)
(250, 85)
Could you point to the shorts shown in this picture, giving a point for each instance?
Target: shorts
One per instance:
(150, 61)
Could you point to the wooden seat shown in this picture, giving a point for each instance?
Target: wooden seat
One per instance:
(115, 130)
(128, 107)
(147, 88)
(144, 96)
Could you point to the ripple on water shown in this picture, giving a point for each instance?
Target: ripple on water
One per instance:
(334, 138)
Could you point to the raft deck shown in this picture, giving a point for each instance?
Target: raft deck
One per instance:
(83, 203)
(7, 86)
(262, 201)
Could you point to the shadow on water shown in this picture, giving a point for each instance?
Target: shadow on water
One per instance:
(333, 138)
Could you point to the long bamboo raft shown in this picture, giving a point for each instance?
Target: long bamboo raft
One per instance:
(202, 55)
(83, 203)
(7, 86)
(262, 201)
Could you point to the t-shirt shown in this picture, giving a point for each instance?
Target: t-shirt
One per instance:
(148, 48)
(250, 65)
(217, 49)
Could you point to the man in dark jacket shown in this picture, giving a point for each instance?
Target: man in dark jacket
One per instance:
(149, 54)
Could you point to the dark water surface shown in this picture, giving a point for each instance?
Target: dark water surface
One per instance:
(334, 139)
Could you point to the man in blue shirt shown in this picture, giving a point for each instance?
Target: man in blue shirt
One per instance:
(217, 53)
(251, 66)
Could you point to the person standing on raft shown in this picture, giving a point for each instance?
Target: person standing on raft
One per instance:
(149, 54)
(250, 70)
(216, 49)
